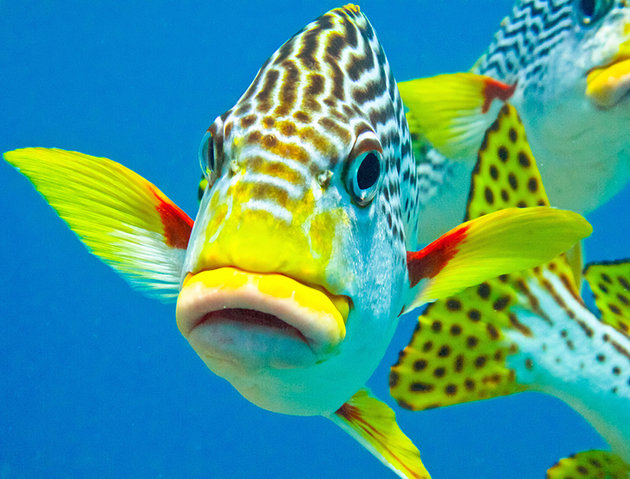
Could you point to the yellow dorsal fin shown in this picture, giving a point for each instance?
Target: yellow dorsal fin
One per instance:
(373, 424)
(452, 111)
(610, 283)
(506, 174)
(122, 218)
(592, 464)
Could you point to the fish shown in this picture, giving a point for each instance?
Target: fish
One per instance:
(303, 253)
(568, 65)
(530, 330)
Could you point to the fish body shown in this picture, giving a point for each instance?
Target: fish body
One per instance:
(530, 330)
(304, 250)
(568, 62)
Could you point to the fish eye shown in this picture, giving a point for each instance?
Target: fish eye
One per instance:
(590, 11)
(364, 173)
(206, 154)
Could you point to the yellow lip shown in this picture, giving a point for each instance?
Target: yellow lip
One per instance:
(310, 313)
(606, 85)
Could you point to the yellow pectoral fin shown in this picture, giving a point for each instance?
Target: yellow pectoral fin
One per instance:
(610, 283)
(373, 424)
(502, 242)
(592, 464)
(122, 218)
(453, 111)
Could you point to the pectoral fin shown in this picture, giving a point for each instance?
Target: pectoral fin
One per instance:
(592, 464)
(453, 111)
(373, 424)
(501, 242)
(122, 218)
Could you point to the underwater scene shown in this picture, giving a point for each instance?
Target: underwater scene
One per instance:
(96, 379)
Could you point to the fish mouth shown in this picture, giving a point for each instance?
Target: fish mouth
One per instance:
(256, 320)
(608, 84)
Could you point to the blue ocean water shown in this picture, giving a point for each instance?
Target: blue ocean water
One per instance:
(95, 380)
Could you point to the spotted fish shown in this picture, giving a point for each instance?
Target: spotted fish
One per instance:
(568, 63)
(304, 250)
(529, 330)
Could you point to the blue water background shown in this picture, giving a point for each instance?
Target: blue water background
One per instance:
(95, 380)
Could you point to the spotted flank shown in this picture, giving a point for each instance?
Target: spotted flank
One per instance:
(610, 284)
(523, 331)
(373, 424)
(590, 465)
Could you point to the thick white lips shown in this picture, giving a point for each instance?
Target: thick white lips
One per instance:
(267, 319)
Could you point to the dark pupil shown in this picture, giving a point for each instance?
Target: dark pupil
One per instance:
(210, 154)
(368, 172)
(588, 7)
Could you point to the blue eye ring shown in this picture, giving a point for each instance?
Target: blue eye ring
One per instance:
(590, 12)
(365, 169)
(206, 154)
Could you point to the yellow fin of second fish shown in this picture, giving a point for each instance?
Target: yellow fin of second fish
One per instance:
(452, 111)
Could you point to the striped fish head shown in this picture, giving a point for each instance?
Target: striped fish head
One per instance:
(571, 62)
(294, 267)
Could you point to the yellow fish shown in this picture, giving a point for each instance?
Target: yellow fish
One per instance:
(304, 250)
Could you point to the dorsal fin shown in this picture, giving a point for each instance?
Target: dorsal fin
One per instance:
(506, 174)
(459, 350)
(610, 284)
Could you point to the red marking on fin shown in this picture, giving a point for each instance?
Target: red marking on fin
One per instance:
(353, 414)
(495, 89)
(430, 260)
(177, 224)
